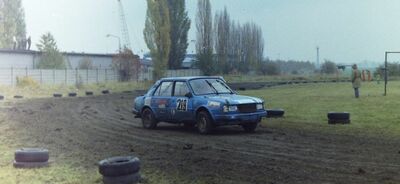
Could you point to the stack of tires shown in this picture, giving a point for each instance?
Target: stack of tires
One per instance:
(338, 118)
(31, 157)
(120, 170)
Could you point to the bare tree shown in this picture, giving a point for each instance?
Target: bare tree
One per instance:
(222, 33)
(204, 43)
(127, 64)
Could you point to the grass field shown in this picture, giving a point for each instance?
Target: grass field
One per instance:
(307, 106)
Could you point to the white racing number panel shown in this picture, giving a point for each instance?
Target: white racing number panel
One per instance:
(181, 104)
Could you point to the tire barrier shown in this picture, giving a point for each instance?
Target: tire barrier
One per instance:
(18, 96)
(128, 92)
(89, 93)
(57, 95)
(72, 94)
(275, 113)
(120, 170)
(31, 157)
(338, 118)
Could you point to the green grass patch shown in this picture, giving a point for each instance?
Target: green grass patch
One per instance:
(306, 107)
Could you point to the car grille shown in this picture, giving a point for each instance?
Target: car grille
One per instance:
(247, 108)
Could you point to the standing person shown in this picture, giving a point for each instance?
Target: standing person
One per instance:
(356, 80)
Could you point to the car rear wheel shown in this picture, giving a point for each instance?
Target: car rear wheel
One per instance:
(204, 122)
(251, 127)
(148, 119)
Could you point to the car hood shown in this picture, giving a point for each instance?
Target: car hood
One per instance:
(234, 99)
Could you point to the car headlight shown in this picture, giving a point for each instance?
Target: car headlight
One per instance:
(230, 108)
(260, 106)
(213, 104)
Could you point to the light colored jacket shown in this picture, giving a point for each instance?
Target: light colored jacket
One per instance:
(356, 78)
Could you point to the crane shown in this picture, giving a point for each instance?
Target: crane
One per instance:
(124, 26)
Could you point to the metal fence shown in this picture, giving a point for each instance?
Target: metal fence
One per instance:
(8, 76)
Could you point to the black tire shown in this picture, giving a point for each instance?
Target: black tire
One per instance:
(338, 115)
(31, 155)
(18, 96)
(339, 121)
(89, 93)
(148, 119)
(250, 127)
(72, 94)
(57, 95)
(119, 166)
(105, 91)
(204, 122)
(274, 113)
(127, 179)
(30, 164)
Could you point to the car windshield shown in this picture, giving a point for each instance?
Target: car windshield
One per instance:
(209, 86)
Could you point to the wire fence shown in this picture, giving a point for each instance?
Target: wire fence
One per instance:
(9, 76)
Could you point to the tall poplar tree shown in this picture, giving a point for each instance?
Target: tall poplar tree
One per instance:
(180, 24)
(157, 35)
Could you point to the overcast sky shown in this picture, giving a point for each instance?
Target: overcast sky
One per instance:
(346, 31)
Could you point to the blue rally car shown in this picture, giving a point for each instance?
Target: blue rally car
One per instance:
(204, 102)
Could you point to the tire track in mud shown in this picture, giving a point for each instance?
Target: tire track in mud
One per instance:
(104, 125)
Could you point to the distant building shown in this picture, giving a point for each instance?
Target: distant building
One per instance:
(187, 63)
(29, 59)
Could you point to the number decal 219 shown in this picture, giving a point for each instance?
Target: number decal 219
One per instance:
(181, 104)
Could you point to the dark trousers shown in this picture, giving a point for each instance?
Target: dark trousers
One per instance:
(356, 92)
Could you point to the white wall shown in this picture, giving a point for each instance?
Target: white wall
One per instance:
(21, 60)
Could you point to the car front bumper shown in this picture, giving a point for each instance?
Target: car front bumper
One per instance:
(239, 118)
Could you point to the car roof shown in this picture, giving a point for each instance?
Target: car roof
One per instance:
(187, 78)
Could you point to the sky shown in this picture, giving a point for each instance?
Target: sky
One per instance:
(346, 31)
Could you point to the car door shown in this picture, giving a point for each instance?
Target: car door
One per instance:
(181, 106)
(161, 101)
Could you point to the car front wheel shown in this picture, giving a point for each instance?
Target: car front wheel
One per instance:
(204, 122)
(148, 119)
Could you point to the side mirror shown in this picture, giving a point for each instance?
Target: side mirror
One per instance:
(189, 95)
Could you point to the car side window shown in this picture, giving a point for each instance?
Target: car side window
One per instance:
(181, 89)
(165, 89)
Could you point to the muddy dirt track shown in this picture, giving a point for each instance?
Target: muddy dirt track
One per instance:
(88, 129)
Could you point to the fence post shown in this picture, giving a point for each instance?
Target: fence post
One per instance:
(26, 71)
(76, 76)
(66, 82)
(97, 75)
(12, 76)
(41, 76)
(54, 76)
(105, 73)
(87, 76)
